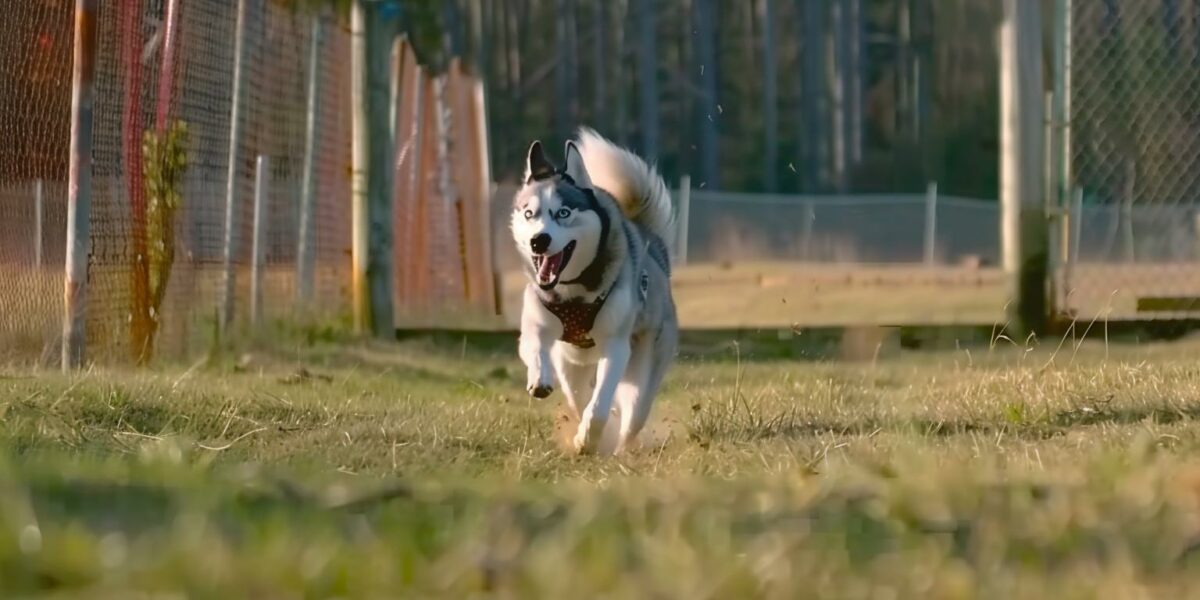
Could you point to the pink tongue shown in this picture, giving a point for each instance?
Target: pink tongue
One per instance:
(549, 267)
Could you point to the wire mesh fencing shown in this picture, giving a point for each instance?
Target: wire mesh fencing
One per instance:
(166, 251)
(798, 241)
(221, 182)
(1134, 158)
(35, 84)
(870, 229)
(866, 229)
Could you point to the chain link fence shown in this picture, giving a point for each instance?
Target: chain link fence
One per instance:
(181, 216)
(767, 260)
(865, 229)
(1134, 152)
(35, 84)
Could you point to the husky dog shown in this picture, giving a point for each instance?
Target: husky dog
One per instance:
(598, 311)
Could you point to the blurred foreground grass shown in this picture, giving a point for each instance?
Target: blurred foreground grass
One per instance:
(422, 471)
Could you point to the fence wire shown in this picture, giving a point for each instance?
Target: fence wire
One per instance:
(157, 70)
(869, 229)
(1135, 155)
(176, 182)
(35, 103)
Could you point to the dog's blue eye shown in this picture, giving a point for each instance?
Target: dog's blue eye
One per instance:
(529, 214)
(563, 213)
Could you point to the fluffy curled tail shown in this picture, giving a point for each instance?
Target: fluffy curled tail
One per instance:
(636, 186)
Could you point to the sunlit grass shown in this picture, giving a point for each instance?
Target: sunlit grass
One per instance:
(423, 470)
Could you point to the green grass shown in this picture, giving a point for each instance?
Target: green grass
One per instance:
(422, 470)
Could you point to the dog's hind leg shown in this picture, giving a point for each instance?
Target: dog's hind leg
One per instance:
(609, 372)
(647, 367)
(636, 392)
(577, 381)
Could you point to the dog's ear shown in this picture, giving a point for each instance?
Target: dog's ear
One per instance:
(576, 170)
(537, 166)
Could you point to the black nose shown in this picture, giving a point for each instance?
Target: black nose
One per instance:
(540, 243)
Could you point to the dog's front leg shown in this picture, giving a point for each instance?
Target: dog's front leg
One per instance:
(608, 374)
(537, 337)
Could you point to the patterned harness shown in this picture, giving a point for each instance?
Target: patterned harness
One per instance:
(577, 319)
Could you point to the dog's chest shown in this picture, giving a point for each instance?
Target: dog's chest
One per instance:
(578, 319)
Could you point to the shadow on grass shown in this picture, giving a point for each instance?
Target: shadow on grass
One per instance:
(1098, 414)
(738, 424)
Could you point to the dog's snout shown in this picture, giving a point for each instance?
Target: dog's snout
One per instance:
(540, 243)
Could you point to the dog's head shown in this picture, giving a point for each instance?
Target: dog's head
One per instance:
(557, 223)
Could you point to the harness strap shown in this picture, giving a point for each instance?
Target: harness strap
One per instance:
(577, 318)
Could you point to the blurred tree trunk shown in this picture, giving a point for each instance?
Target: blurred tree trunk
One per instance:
(770, 96)
(518, 25)
(705, 17)
(622, 83)
(566, 71)
(600, 60)
(903, 114)
(646, 20)
(922, 69)
(813, 98)
(855, 25)
(837, 69)
(687, 136)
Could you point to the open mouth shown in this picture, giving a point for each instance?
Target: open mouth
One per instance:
(549, 268)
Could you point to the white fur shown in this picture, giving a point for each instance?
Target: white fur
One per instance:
(636, 186)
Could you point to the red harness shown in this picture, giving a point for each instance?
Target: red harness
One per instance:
(577, 320)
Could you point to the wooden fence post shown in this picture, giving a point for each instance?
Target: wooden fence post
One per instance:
(1023, 211)
(373, 172)
(79, 199)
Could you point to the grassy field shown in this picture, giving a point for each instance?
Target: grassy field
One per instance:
(421, 470)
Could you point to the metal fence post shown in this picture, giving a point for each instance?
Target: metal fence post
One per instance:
(931, 198)
(806, 229)
(79, 199)
(1077, 228)
(684, 216)
(38, 217)
(261, 190)
(231, 182)
(306, 255)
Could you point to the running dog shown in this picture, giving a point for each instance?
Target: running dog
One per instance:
(598, 313)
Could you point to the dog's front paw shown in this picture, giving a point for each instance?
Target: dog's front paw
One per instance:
(539, 391)
(587, 438)
(540, 382)
(580, 443)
